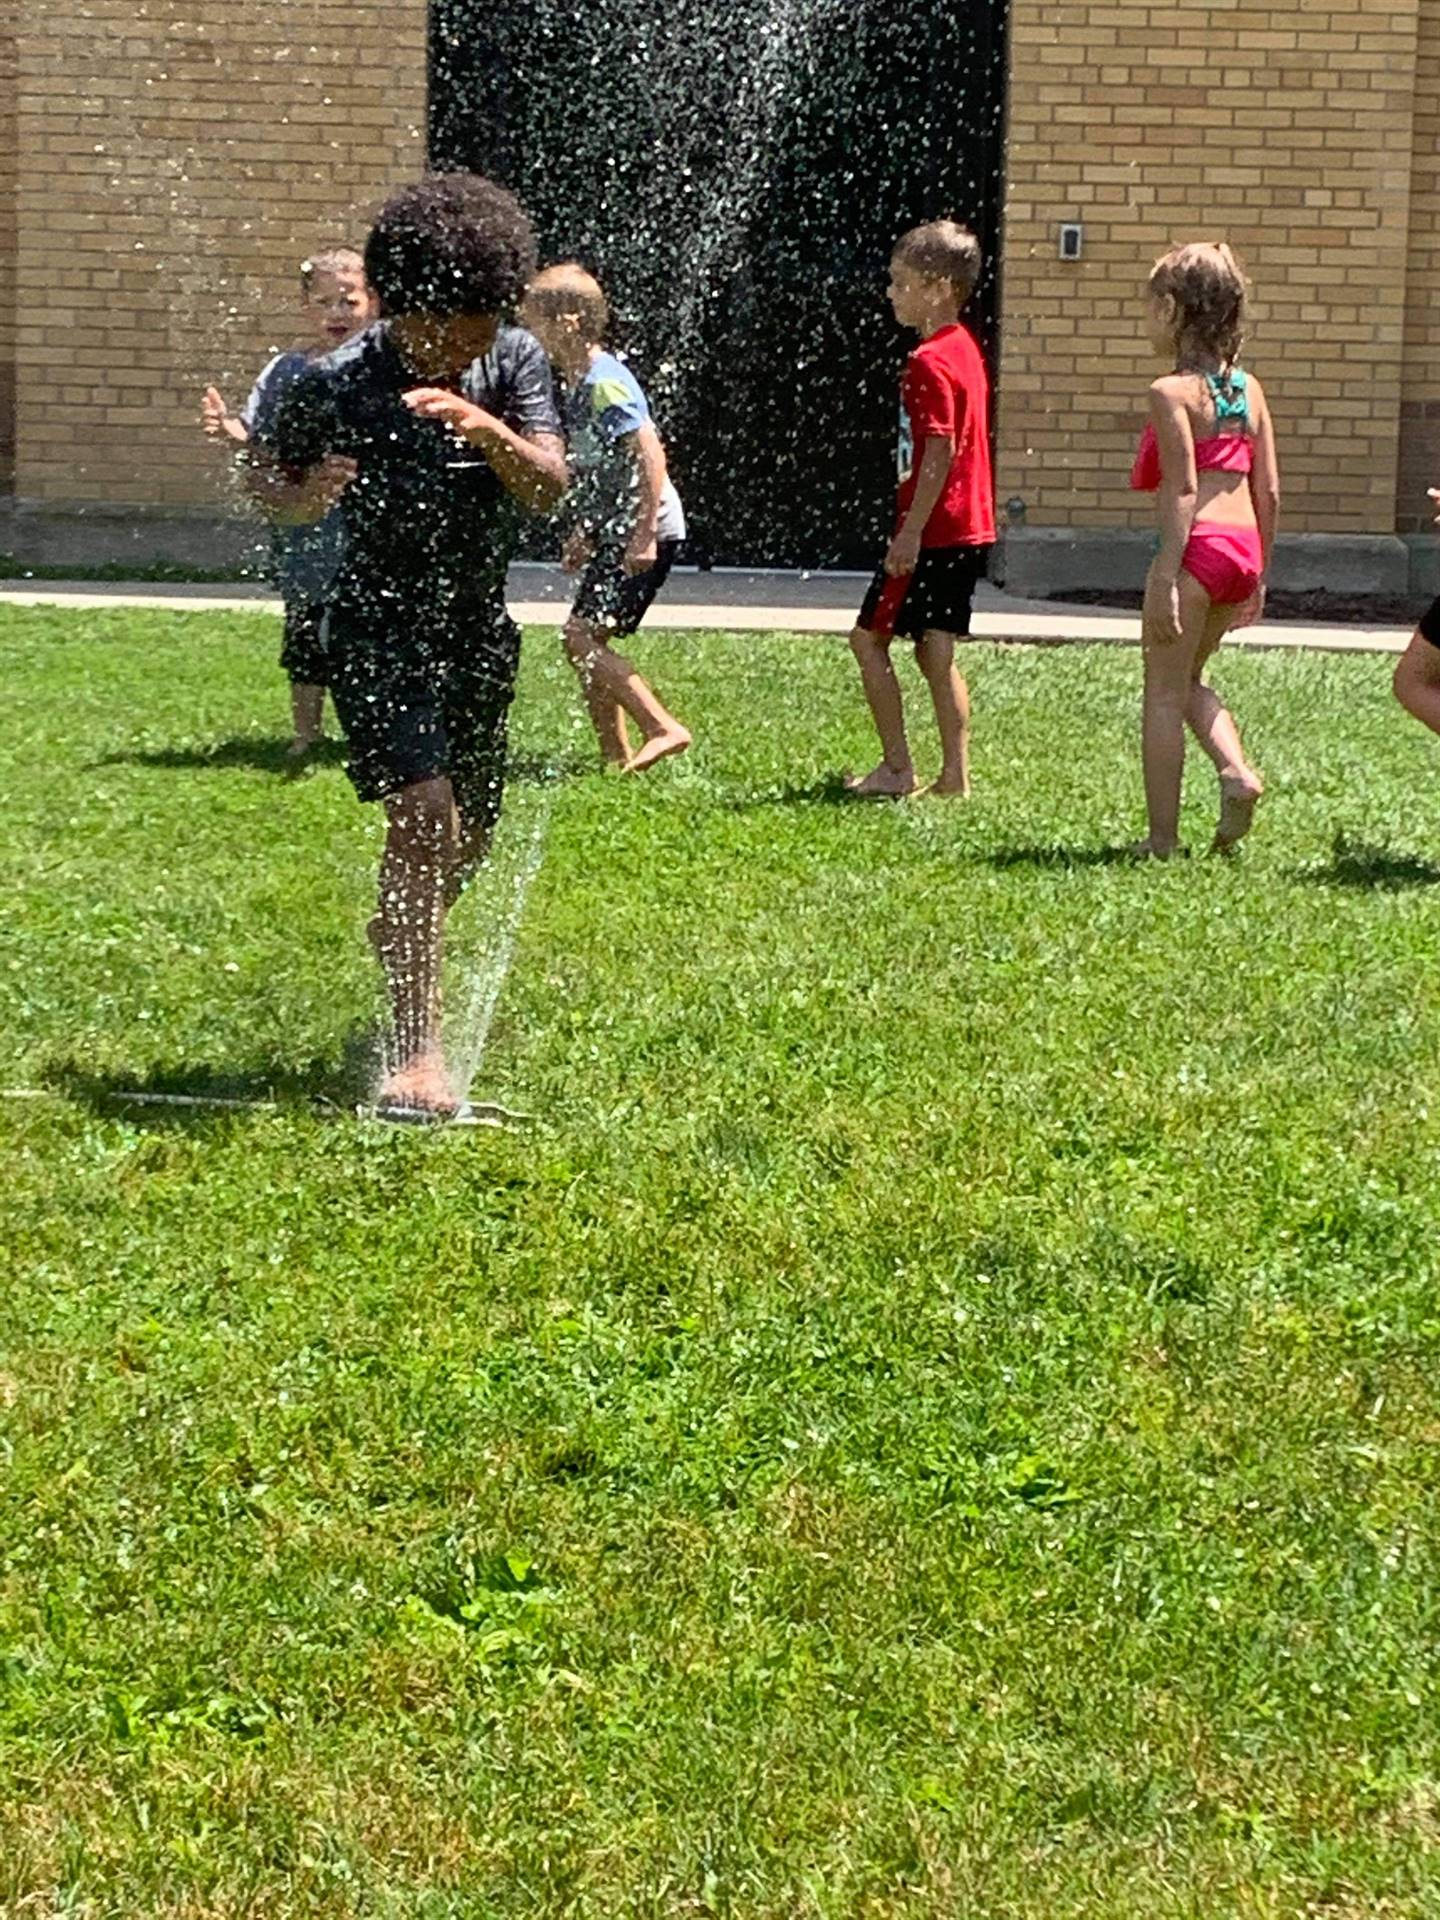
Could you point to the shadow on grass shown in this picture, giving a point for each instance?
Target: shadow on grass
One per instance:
(252, 751)
(200, 1091)
(546, 770)
(1006, 858)
(829, 790)
(257, 753)
(1364, 868)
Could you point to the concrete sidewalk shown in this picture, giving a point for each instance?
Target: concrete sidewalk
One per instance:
(734, 600)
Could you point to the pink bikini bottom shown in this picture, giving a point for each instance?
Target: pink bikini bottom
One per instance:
(1227, 561)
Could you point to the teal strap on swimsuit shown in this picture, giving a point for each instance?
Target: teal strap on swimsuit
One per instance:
(1231, 395)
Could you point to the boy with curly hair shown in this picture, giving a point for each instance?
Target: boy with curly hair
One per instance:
(448, 416)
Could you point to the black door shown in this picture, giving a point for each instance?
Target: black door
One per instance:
(735, 172)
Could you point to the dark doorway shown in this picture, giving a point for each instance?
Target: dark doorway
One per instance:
(735, 172)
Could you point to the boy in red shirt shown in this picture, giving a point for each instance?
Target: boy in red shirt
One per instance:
(945, 518)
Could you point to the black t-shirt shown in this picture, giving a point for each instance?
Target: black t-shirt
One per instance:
(428, 522)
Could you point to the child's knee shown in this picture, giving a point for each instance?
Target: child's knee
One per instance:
(866, 645)
(1417, 672)
(582, 641)
(422, 816)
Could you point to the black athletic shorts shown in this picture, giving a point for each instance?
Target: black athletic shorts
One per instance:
(305, 649)
(1429, 625)
(428, 703)
(936, 598)
(618, 601)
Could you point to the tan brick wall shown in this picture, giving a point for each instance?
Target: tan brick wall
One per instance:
(1285, 128)
(164, 168)
(8, 164)
(1420, 388)
(177, 162)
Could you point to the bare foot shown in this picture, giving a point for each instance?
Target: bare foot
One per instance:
(421, 1084)
(883, 783)
(1238, 798)
(950, 787)
(297, 754)
(660, 747)
(1156, 850)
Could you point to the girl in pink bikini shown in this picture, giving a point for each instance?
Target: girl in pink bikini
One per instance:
(1209, 453)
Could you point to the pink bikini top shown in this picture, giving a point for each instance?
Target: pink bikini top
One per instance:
(1226, 451)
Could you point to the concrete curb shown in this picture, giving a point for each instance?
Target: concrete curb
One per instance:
(790, 608)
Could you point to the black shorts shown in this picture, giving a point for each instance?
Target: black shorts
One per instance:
(427, 703)
(618, 601)
(1429, 624)
(305, 649)
(936, 598)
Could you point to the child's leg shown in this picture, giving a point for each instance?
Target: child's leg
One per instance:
(476, 714)
(1417, 681)
(471, 850)
(896, 773)
(407, 934)
(477, 813)
(303, 660)
(1169, 683)
(1215, 729)
(307, 711)
(613, 677)
(936, 657)
(583, 645)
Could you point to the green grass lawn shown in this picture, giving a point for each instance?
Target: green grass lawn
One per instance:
(938, 1417)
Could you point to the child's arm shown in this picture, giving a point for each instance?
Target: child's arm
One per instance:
(531, 469)
(648, 452)
(217, 420)
(1179, 497)
(1265, 475)
(1264, 497)
(903, 555)
(291, 502)
(292, 469)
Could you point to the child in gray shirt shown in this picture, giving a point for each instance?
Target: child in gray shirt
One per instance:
(303, 559)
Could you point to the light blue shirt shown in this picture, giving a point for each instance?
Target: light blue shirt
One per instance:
(604, 410)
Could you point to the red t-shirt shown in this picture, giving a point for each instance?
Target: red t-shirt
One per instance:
(946, 389)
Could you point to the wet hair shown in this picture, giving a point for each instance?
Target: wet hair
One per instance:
(942, 250)
(1209, 290)
(452, 243)
(567, 292)
(334, 260)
